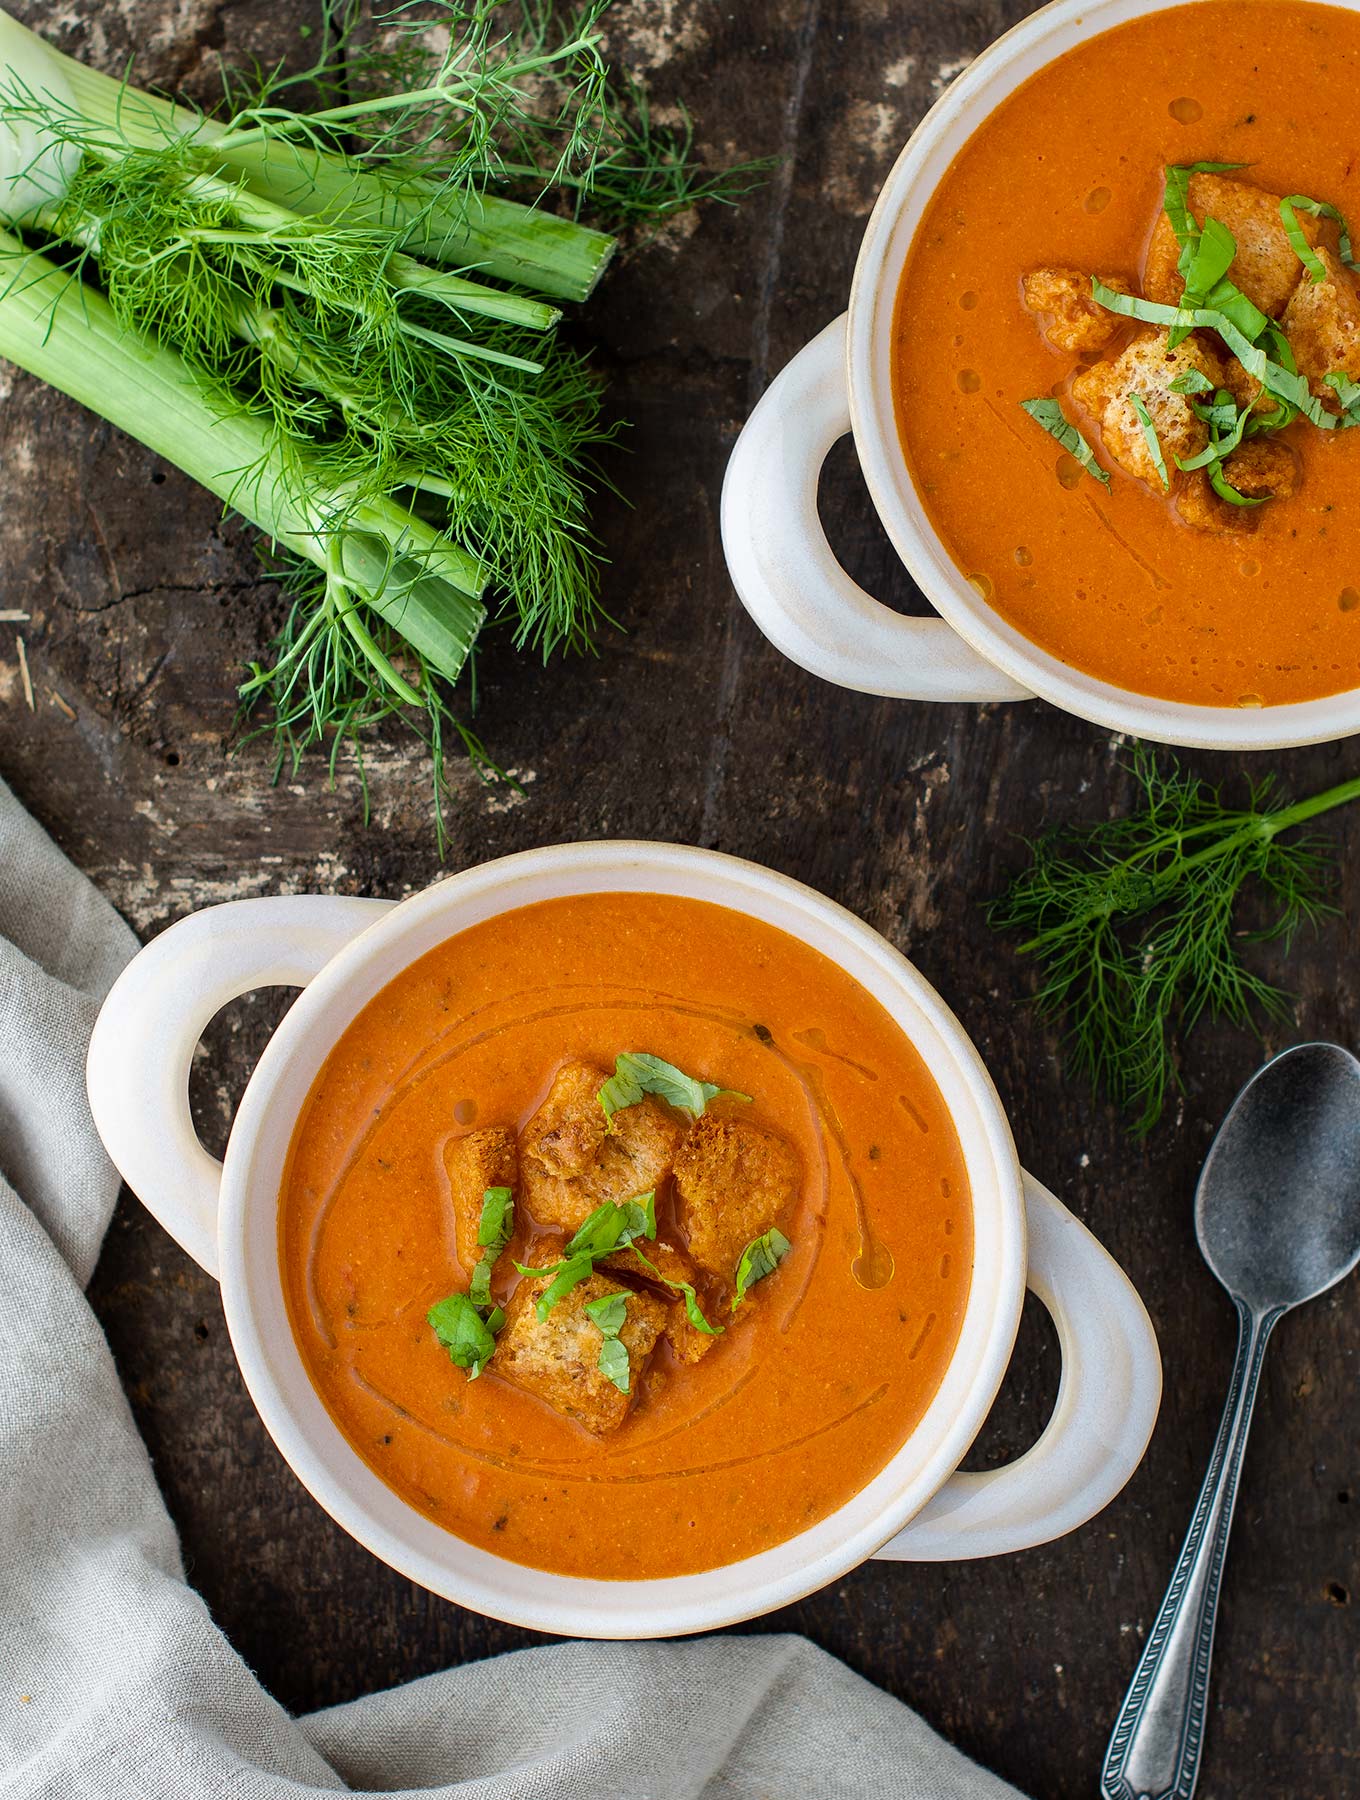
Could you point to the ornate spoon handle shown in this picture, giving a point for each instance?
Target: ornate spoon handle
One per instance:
(1154, 1752)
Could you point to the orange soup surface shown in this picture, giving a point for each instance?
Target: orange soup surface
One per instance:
(810, 1389)
(1069, 173)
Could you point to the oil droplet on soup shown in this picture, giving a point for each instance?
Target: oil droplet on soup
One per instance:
(873, 1267)
(1097, 200)
(1068, 470)
(983, 584)
(1023, 556)
(968, 300)
(969, 381)
(464, 1112)
(1186, 111)
(1349, 599)
(1250, 700)
(1249, 567)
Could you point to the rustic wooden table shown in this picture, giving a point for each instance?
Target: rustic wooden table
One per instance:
(144, 603)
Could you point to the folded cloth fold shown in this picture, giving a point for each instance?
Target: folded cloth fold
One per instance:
(116, 1683)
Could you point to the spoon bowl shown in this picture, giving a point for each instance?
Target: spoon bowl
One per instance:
(1277, 1210)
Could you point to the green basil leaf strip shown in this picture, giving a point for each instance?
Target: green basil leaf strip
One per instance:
(613, 1227)
(1194, 381)
(1290, 208)
(1150, 438)
(761, 1257)
(1312, 262)
(1176, 202)
(469, 1338)
(609, 1228)
(1204, 270)
(497, 1221)
(1048, 414)
(1246, 315)
(614, 1365)
(636, 1073)
(1226, 428)
(566, 1276)
(1226, 491)
(608, 1314)
(1347, 391)
(494, 1231)
(693, 1311)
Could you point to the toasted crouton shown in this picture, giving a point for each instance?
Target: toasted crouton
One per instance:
(732, 1182)
(668, 1263)
(688, 1344)
(480, 1160)
(1322, 323)
(1203, 510)
(1263, 469)
(565, 1134)
(1073, 320)
(1148, 368)
(573, 1160)
(1265, 267)
(557, 1358)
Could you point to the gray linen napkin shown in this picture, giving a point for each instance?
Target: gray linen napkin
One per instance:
(114, 1682)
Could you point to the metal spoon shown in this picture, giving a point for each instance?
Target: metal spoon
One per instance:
(1277, 1215)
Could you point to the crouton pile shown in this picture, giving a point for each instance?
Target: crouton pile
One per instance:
(719, 1183)
(1320, 318)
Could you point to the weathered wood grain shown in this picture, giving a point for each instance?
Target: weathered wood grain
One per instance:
(689, 727)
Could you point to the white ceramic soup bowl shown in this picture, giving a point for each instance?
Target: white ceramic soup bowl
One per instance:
(344, 951)
(777, 552)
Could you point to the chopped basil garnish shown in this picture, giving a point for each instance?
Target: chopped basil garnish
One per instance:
(1226, 491)
(1055, 422)
(693, 1311)
(566, 1275)
(469, 1338)
(1290, 208)
(637, 1073)
(494, 1231)
(608, 1314)
(1153, 442)
(1279, 381)
(613, 1363)
(1194, 381)
(1176, 198)
(761, 1257)
(1226, 423)
(1347, 392)
(1203, 268)
(609, 1228)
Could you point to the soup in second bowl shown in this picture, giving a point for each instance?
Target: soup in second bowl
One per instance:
(1127, 355)
(625, 1236)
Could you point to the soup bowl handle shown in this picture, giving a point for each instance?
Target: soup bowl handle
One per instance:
(137, 1071)
(1107, 1403)
(786, 573)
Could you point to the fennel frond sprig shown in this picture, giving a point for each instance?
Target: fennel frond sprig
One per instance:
(351, 322)
(1133, 921)
(321, 695)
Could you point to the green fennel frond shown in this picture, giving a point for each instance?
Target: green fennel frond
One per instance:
(1133, 921)
(358, 303)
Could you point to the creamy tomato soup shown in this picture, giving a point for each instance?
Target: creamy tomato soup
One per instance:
(470, 1074)
(1161, 586)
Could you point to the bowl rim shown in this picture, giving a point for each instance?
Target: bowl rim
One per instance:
(346, 1487)
(1034, 43)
